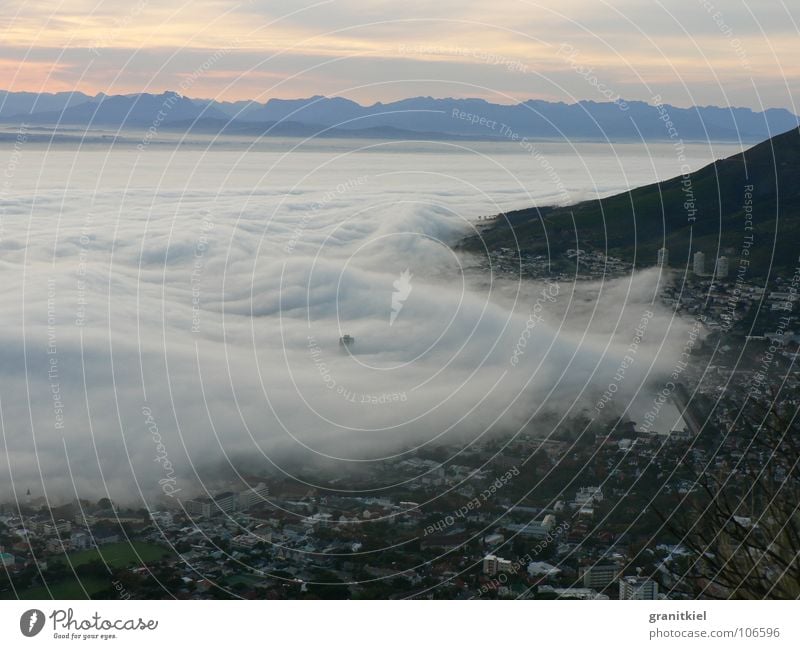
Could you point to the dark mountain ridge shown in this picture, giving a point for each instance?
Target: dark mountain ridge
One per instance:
(746, 207)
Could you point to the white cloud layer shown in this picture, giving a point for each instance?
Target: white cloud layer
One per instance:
(169, 313)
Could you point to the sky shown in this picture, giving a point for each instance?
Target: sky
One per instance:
(688, 52)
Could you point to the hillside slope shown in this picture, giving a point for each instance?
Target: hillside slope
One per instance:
(705, 210)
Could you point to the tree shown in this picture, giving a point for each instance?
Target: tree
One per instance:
(743, 533)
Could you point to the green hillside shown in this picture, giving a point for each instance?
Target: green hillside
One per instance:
(704, 210)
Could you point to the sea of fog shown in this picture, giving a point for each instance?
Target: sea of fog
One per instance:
(169, 310)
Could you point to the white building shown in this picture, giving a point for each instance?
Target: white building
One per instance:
(585, 500)
(227, 502)
(493, 565)
(637, 588)
(699, 265)
(573, 593)
(162, 518)
(56, 528)
(80, 540)
(200, 507)
(722, 268)
(253, 496)
(588, 495)
(493, 539)
(601, 576)
(542, 568)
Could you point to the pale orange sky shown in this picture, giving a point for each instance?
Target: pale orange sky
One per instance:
(687, 51)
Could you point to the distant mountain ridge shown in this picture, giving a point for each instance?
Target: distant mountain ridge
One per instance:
(448, 117)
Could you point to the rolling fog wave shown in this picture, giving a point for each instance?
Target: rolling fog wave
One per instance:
(172, 311)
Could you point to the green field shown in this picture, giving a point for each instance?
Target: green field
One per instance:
(246, 580)
(116, 555)
(67, 589)
(119, 555)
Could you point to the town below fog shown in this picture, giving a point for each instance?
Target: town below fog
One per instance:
(579, 513)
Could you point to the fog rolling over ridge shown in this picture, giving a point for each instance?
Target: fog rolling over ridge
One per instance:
(173, 311)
